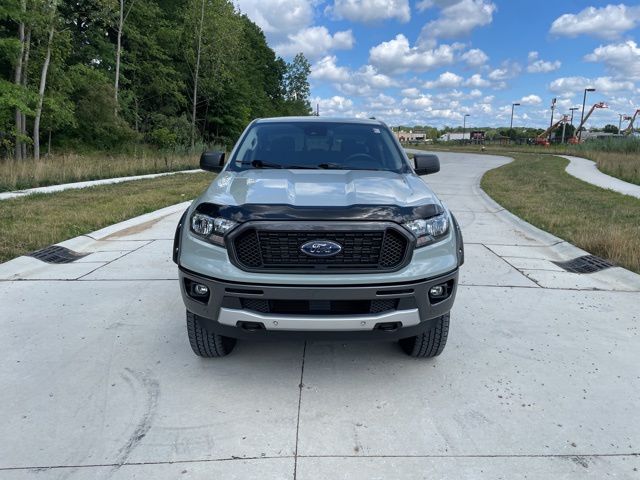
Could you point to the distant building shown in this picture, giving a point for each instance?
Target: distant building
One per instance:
(473, 137)
(410, 136)
(448, 137)
(586, 135)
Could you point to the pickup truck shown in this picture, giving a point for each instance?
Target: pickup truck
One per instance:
(318, 228)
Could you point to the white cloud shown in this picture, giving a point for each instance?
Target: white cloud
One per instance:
(475, 93)
(362, 82)
(370, 10)
(507, 70)
(418, 103)
(315, 42)
(445, 80)
(606, 22)
(278, 17)
(369, 75)
(531, 100)
(457, 18)
(410, 92)
(398, 56)
(334, 106)
(475, 57)
(476, 80)
(536, 65)
(327, 69)
(572, 85)
(381, 101)
(621, 60)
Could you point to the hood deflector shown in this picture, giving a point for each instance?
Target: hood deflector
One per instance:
(384, 213)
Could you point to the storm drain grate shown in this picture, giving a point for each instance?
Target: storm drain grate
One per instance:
(585, 264)
(56, 254)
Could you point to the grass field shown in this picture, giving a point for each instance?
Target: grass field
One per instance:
(35, 221)
(623, 164)
(58, 169)
(537, 189)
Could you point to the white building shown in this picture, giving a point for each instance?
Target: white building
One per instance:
(447, 137)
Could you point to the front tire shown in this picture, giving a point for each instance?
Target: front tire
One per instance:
(430, 343)
(204, 343)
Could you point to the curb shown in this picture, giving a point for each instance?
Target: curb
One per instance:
(90, 183)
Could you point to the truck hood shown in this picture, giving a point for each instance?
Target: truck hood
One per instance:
(329, 188)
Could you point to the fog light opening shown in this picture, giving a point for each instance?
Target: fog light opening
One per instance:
(200, 289)
(438, 293)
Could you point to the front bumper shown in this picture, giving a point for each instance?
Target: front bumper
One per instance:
(222, 312)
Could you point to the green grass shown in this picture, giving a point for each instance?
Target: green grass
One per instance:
(537, 189)
(67, 168)
(618, 159)
(35, 221)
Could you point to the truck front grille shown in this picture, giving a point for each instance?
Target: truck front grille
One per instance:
(280, 250)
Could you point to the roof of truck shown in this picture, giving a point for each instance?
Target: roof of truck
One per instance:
(364, 121)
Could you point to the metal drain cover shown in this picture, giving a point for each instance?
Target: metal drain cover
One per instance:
(585, 264)
(56, 254)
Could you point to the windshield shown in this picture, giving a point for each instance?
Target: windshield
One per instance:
(318, 145)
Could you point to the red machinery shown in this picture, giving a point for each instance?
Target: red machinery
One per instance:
(574, 140)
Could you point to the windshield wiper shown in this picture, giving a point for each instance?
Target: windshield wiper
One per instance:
(262, 164)
(336, 166)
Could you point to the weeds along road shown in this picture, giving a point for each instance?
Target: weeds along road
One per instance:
(540, 377)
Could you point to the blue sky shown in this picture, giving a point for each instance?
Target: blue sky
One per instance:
(429, 62)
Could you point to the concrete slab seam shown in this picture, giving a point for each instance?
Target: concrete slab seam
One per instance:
(300, 387)
(285, 457)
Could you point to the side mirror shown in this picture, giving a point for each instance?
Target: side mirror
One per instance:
(426, 164)
(212, 161)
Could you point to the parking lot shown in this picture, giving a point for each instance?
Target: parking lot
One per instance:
(540, 378)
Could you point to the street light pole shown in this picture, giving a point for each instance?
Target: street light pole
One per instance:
(513, 105)
(584, 101)
(553, 107)
(464, 125)
(573, 109)
(620, 122)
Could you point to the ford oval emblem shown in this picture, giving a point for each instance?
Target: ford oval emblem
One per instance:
(321, 248)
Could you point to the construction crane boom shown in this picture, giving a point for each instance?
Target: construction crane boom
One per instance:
(542, 138)
(629, 129)
(586, 117)
(553, 127)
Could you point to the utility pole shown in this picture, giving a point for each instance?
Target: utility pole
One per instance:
(564, 129)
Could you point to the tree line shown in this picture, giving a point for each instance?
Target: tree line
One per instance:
(103, 74)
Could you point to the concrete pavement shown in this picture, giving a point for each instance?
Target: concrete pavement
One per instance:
(587, 171)
(539, 380)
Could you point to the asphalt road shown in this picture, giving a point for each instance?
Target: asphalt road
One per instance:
(540, 379)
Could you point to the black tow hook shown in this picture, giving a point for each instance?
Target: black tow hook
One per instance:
(388, 326)
(250, 326)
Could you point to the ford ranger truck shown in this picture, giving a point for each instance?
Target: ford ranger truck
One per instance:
(318, 228)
